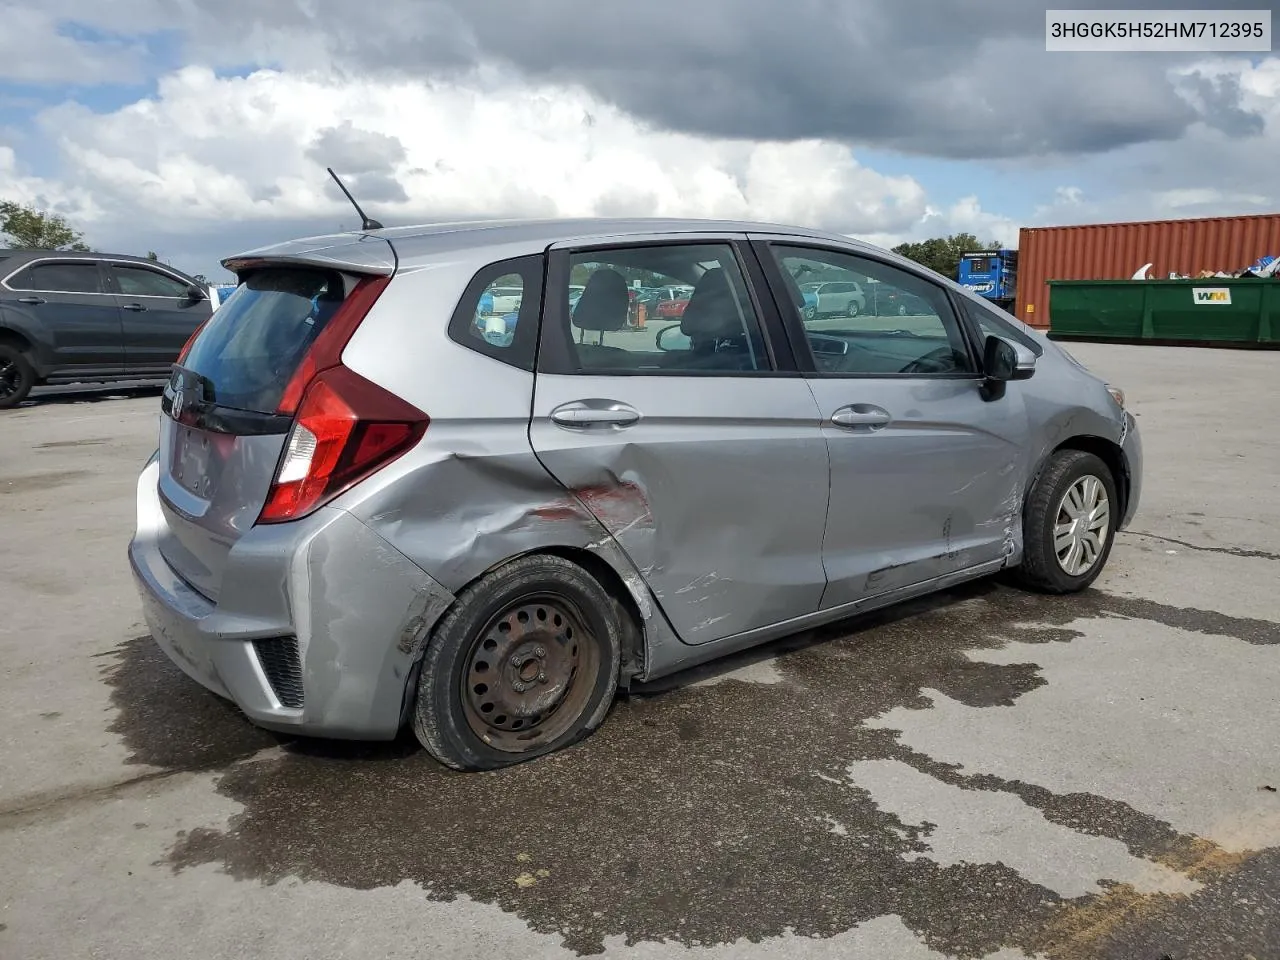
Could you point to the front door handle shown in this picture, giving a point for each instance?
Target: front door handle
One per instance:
(135, 307)
(593, 413)
(857, 415)
(32, 301)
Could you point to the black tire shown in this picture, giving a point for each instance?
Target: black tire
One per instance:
(1040, 569)
(852, 309)
(17, 376)
(447, 716)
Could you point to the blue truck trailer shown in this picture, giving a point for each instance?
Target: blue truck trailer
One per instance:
(992, 274)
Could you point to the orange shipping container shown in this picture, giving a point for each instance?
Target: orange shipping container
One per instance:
(1116, 251)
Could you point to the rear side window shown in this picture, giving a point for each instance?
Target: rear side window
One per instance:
(67, 277)
(255, 340)
(498, 313)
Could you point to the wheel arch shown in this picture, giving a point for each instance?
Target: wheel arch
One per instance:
(1109, 452)
(29, 342)
(614, 581)
(12, 338)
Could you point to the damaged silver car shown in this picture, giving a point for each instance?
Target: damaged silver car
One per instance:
(366, 512)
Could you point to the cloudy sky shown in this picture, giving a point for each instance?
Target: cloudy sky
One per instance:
(198, 128)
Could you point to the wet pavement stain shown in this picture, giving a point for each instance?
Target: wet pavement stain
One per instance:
(42, 481)
(697, 815)
(168, 720)
(1237, 917)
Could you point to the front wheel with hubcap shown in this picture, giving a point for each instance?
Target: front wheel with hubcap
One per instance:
(852, 309)
(524, 663)
(1069, 523)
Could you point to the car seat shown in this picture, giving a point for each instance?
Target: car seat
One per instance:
(713, 323)
(602, 309)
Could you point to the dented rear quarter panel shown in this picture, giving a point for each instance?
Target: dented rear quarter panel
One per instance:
(472, 494)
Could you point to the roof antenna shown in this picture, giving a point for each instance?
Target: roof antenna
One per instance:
(369, 223)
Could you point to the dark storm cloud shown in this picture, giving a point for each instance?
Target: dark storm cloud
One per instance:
(1219, 97)
(966, 78)
(364, 159)
(946, 78)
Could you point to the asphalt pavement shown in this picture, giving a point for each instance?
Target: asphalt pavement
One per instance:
(985, 773)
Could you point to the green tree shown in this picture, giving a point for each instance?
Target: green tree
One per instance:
(943, 253)
(30, 227)
(153, 256)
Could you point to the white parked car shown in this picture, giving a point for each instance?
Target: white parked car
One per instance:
(835, 298)
(506, 300)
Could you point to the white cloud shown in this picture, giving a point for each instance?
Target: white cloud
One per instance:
(206, 151)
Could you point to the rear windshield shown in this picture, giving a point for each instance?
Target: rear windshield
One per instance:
(255, 340)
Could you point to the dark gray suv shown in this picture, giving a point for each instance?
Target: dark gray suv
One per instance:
(90, 317)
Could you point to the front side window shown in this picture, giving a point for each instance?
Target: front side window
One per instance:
(894, 322)
(702, 323)
(66, 277)
(141, 282)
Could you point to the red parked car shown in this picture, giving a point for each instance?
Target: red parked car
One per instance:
(672, 309)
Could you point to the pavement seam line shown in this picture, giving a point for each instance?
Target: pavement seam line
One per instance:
(1230, 551)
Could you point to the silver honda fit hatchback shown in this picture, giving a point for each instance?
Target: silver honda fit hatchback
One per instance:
(385, 495)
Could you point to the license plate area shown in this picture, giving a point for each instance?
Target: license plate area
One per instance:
(193, 461)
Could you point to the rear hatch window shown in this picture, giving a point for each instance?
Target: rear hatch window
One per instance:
(254, 342)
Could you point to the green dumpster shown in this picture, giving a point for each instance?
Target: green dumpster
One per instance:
(1238, 311)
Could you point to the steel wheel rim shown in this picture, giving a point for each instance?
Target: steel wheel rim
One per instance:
(1081, 526)
(529, 674)
(9, 378)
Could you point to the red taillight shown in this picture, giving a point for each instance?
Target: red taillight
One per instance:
(345, 429)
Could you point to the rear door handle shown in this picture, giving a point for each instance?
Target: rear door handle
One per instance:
(593, 413)
(135, 307)
(33, 301)
(857, 415)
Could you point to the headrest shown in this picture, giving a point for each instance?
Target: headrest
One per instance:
(603, 304)
(712, 313)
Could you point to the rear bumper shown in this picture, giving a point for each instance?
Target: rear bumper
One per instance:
(1131, 446)
(356, 606)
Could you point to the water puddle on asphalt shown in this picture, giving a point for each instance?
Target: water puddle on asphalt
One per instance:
(987, 772)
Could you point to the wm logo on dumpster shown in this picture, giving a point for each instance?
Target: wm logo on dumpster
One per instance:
(1212, 295)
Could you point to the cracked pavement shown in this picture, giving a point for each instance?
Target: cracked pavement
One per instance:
(980, 774)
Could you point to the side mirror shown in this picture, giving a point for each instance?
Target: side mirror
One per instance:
(195, 294)
(1004, 360)
(672, 338)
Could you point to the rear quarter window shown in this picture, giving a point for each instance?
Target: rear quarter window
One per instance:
(498, 313)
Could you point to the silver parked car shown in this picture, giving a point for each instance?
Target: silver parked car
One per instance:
(364, 514)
